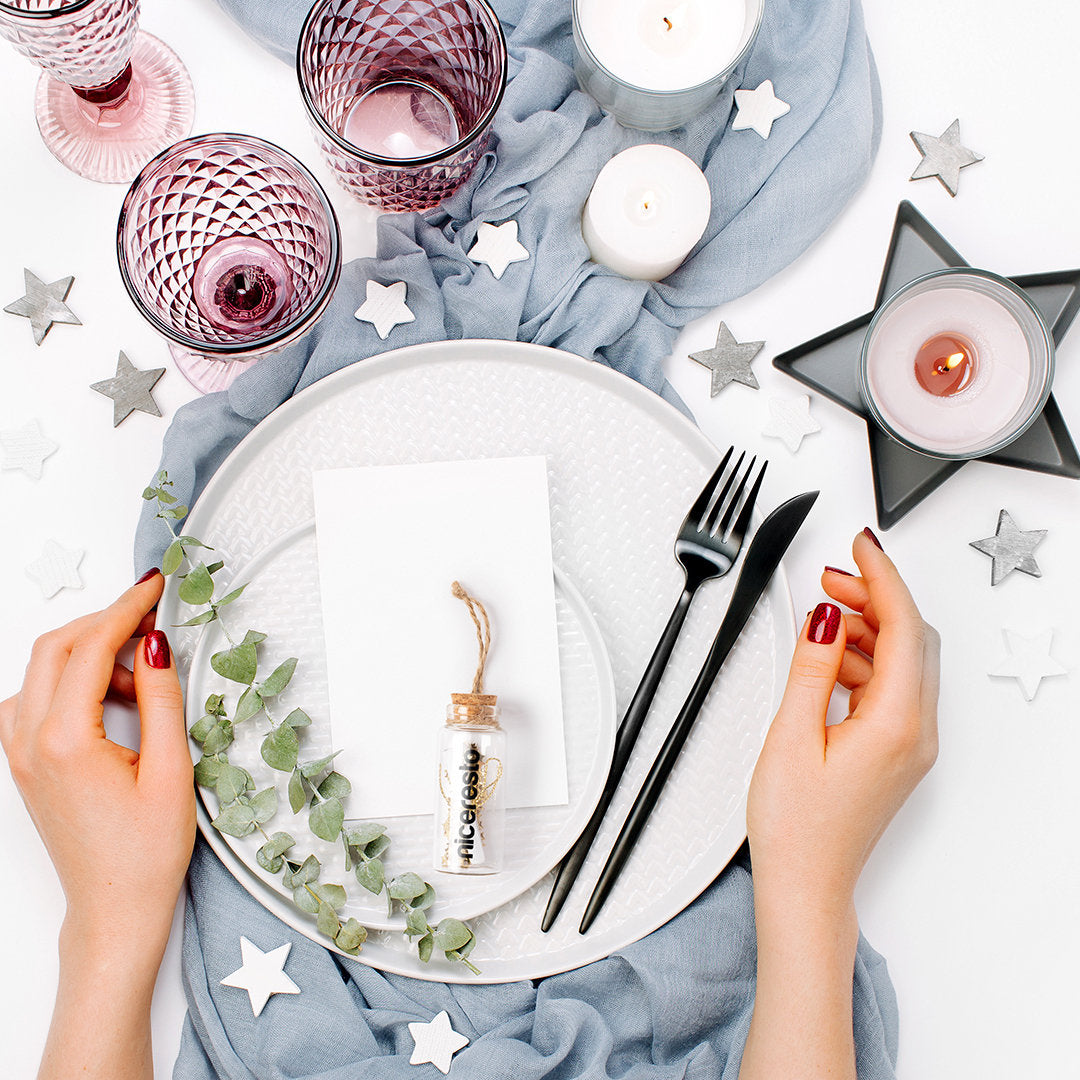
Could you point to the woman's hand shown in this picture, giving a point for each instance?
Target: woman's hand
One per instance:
(820, 798)
(119, 826)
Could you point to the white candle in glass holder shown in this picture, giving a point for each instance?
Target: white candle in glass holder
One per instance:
(655, 64)
(957, 364)
(648, 208)
(663, 44)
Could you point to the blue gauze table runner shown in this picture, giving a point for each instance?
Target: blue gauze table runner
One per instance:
(678, 1002)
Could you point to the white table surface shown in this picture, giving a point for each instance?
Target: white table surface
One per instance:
(973, 892)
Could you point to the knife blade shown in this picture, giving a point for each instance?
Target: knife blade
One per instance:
(767, 548)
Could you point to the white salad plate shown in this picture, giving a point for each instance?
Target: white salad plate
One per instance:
(623, 467)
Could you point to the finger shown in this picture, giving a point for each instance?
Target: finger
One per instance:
(122, 683)
(898, 649)
(146, 624)
(85, 680)
(847, 589)
(860, 634)
(819, 652)
(855, 670)
(8, 709)
(163, 750)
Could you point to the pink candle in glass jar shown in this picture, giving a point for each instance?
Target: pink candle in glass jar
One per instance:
(956, 364)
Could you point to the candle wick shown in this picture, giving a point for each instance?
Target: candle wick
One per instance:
(667, 22)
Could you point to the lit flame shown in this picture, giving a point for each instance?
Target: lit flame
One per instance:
(952, 361)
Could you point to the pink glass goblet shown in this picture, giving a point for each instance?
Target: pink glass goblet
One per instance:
(401, 93)
(230, 249)
(110, 96)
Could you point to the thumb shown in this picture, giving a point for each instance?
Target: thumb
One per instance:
(814, 669)
(163, 749)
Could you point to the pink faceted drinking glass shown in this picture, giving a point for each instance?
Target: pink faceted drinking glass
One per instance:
(401, 93)
(230, 248)
(110, 96)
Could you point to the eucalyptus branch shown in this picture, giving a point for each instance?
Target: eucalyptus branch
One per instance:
(313, 785)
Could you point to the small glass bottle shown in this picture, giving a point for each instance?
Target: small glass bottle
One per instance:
(469, 818)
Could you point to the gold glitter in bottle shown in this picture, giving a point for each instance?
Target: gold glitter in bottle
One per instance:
(469, 819)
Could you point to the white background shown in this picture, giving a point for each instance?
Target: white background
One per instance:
(973, 893)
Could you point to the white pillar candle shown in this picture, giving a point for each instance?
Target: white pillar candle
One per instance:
(957, 364)
(663, 44)
(648, 208)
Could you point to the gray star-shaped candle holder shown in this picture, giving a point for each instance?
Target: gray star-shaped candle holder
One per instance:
(829, 364)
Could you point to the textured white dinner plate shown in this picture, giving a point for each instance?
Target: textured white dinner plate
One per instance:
(623, 466)
(282, 600)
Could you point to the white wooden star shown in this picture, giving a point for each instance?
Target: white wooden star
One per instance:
(385, 307)
(436, 1042)
(1028, 661)
(44, 304)
(790, 421)
(758, 109)
(497, 245)
(943, 156)
(57, 569)
(26, 448)
(262, 974)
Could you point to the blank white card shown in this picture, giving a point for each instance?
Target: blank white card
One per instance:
(391, 540)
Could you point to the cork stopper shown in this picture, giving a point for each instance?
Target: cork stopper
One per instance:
(473, 710)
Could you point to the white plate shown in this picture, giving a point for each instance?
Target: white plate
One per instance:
(282, 601)
(623, 466)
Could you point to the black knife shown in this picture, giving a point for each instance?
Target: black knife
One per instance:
(766, 550)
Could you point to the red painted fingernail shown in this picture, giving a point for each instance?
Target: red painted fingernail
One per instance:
(148, 575)
(156, 649)
(837, 570)
(824, 624)
(870, 533)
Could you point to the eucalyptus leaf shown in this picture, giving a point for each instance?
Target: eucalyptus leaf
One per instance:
(313, 768)
(371, 875)
(191, 541)
(204, 617)
(452, 934)
(305, 900)
(253, 637)
(201, 728)
(219, 737)
(228, 598)
(173, 557)
(351, 936)
(309, 871)
(279, 750)
(207, 770)
(249, 705)
(416, 924)
(197, 587)
(424, 900)
(362, 835)
(269, 856)
(298, 719)
(278, 679)
(406, 886)
(214, 567)
(334, 895)
(236, 820)
(215, 705)
(377, 846)
(232, 782)
(237, 664)
(164, 496)
(326, 819)
(327, 921)
(298, 792)
(424, 947)
(264, 803)
(335, 786)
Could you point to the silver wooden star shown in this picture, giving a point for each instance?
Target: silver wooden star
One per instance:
(130, 389)
(26, 448)
(44, 304)
(943, 156)
(729, 360)
(1011, 548)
